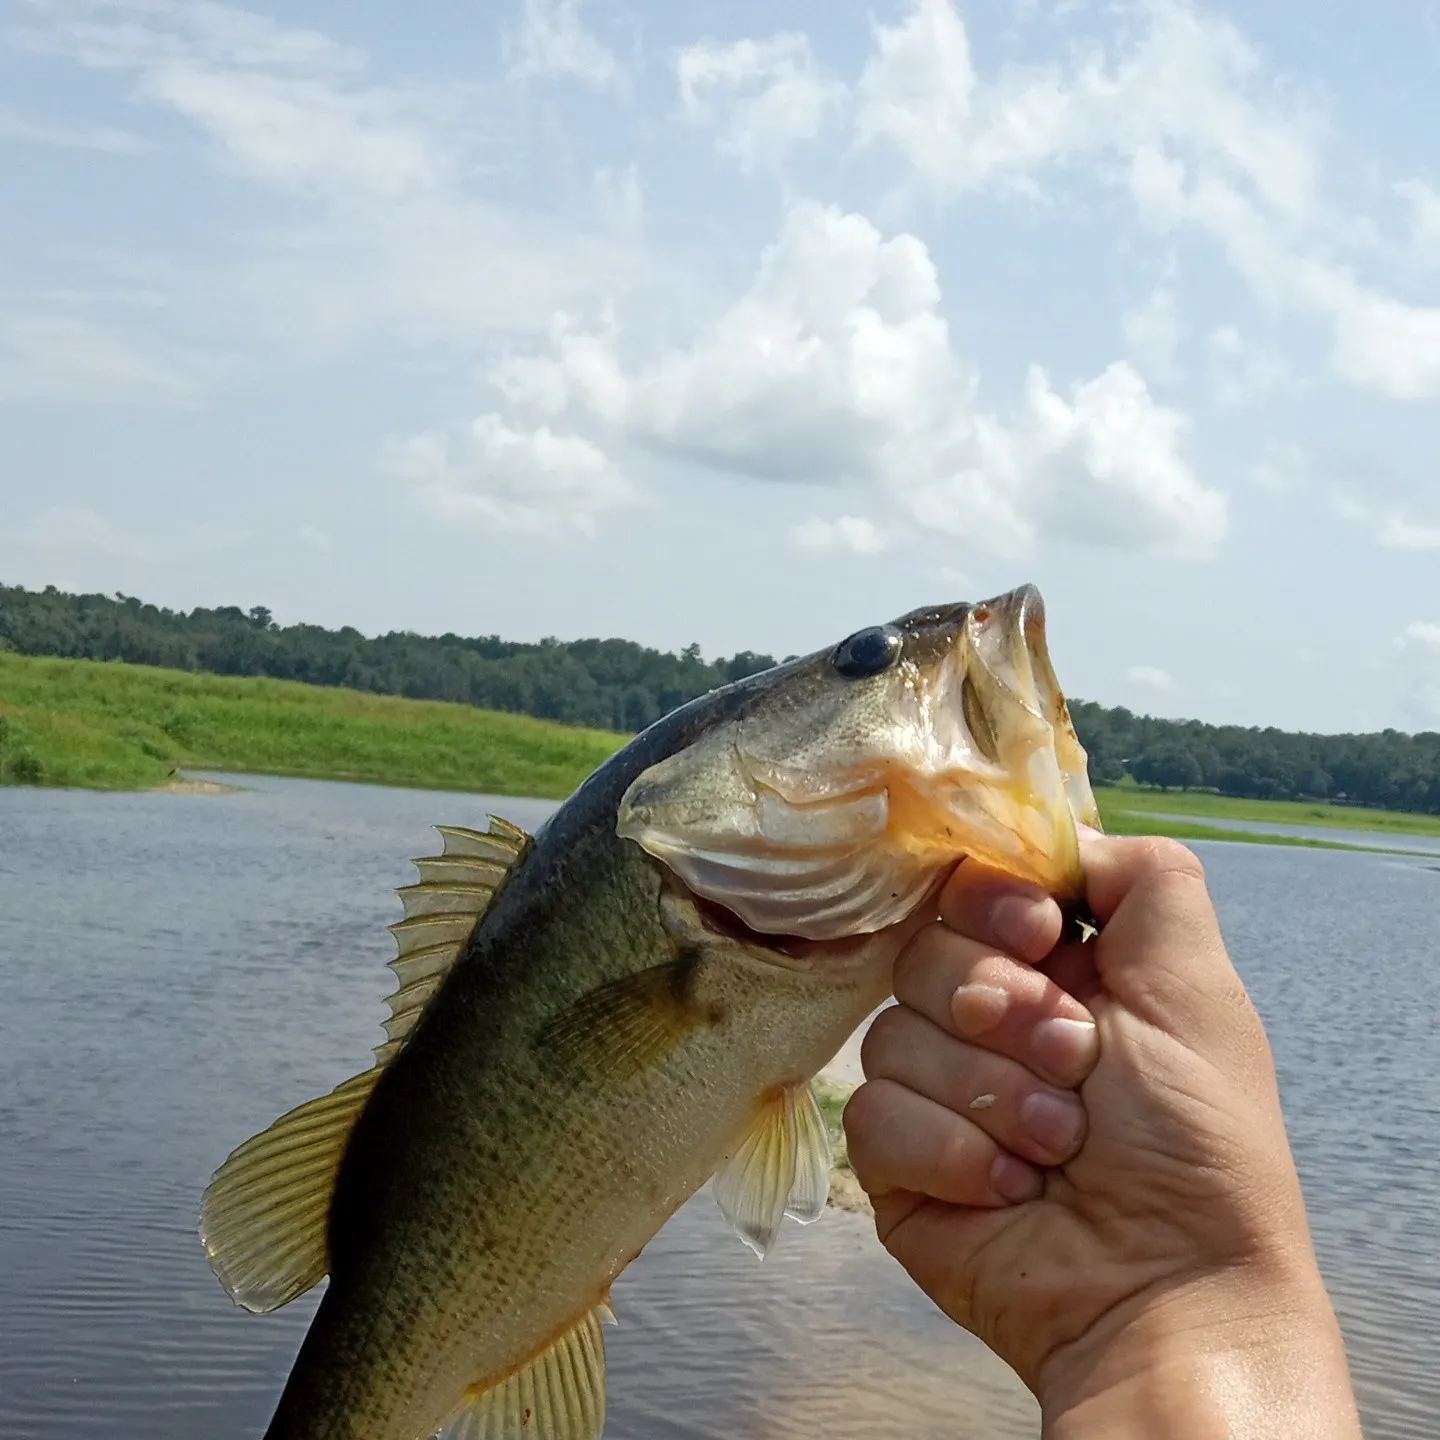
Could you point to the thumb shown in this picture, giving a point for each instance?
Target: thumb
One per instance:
(1160, 952)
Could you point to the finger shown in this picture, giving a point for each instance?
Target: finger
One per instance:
(1071, 965)
(900, 1141)
(998, 910)
(1160, 952)
(1009, 1008)
(1041, 1123)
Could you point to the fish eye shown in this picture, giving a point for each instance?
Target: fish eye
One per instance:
(868, 652)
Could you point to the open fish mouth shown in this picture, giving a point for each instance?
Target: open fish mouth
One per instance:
(852, 781)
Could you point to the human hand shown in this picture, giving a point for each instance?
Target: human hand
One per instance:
(1158, 1277)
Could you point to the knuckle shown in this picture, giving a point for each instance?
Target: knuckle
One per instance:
(1158, 856)
(960, 1156)
(916, 958)
(882, 1035)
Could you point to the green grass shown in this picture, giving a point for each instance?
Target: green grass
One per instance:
(111, 726)
(1129, 805)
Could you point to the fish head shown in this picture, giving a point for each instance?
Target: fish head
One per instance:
(841, 788)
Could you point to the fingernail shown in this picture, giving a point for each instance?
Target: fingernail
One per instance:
(1065, 1048)
(1015, 922)
(978, 1009)
(1054, 1122)
(1013, 1179)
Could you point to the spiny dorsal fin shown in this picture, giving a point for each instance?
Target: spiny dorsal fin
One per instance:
(781, 1167)
(454, 891)
(264, 1218)
(560, 1395)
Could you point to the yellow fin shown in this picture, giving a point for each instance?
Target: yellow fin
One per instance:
(624, 1027)
(441, 911)
(781, 1167)
(264, 1216)
(560, 1395)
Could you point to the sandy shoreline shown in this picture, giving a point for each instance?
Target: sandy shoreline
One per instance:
(184, 785)
(835, 1082)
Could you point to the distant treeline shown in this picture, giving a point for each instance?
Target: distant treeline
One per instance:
(619, 685)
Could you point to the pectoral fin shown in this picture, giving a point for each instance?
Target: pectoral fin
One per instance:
(623, 1028)
(781, 1167)
(560, 1395)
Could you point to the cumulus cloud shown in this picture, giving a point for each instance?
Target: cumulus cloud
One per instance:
(762, 96)
(1420, 643)
(554, 41)
(1391, 526)
(852, 533)
(1425, 633)
(836, 364)
(1151, 677)
(529, 480)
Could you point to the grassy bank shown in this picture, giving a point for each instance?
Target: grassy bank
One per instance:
(112, 726)
(1128, 805)
(124, 727)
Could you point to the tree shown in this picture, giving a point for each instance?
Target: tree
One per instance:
(1168, 765)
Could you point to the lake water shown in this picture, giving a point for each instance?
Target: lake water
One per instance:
(177, 970)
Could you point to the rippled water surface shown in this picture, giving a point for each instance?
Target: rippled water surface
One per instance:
(177, 970)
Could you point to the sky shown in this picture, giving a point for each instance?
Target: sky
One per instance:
(743, 324)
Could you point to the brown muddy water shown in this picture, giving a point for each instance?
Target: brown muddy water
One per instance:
(176, 970)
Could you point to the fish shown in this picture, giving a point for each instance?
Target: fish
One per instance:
(592, 1023)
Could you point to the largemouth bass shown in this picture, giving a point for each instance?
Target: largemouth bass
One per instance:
(591, 1025)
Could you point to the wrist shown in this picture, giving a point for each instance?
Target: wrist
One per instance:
(1255, 1354)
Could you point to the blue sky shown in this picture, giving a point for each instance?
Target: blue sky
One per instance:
(746, 324)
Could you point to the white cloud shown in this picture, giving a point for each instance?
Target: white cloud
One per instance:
(553, 41)
(762, 96)
(1420, 642)
(1390, 526)
(1286, 468)
(1189, 80)
(61, 352)
(1115, 460)
(1151, 677)
(1152, 332)
(1243, 373)
(1398, 532)
(836, 365)
(384, 227)
(534, 481)
(314, 537)
(70, 529)
(1424, 201)
(104, 138)
(1421, 632)
(1203, 137)
(621, 199)
(305, 133)
(849, 532)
